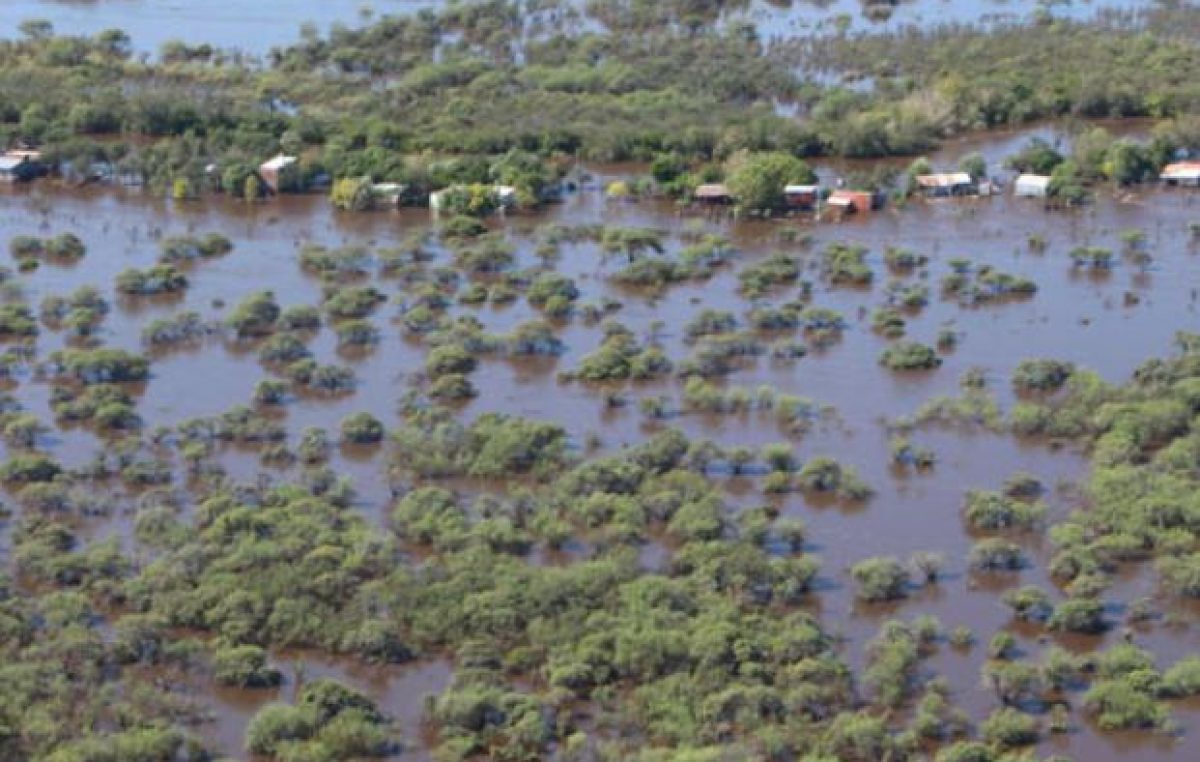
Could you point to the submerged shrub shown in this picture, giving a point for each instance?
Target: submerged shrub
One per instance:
(909, 355)
(362, 428)
(160, 279)
(244, 667)
(880, 579)
(994, 554)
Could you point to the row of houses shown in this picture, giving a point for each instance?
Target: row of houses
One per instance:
(805, 198)
(1184, 173)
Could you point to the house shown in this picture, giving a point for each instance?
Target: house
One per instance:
(851, 202)
(1182, 173)
(388, 194)
(280, 173)
(946, 184)
(19, 166)
(1031, 186)
(713, 193)
(801, 196)
(506, 195)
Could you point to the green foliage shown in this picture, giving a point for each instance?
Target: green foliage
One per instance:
(909, 356)
(846, 264)
(1123, 703)
(880, 579)
(362, 428)
(1078, 615)
(352, 194)
(991, 511)
(244, 667)
(757, 180)
(159, 279)
(99, 366)
(1009, 727)
(182, 249)
(256, 315)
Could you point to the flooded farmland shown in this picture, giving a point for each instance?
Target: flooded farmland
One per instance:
(1110, 322)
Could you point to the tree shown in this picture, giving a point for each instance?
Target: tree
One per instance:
(880, 579)
(757, 180)
(244, 667)
(36, 29)
(1037, 157)
(352, 194)
(974, 165)
(256, 315)
(362, 428)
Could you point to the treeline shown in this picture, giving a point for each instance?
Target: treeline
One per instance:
(635, 81)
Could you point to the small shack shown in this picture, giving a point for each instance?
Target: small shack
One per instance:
(19, 166)
(851, 202)
(713, 194)
(280, 173)
(506, 195)
(946, 184)
(802, 197)
(387, 195)
(1031, 186)
(1182, 173)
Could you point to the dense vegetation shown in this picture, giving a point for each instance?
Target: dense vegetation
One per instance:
(495, 92)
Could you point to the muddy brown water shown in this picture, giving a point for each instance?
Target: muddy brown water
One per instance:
(1084, 320)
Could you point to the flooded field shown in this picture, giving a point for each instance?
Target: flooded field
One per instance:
(1110, 322)
(256, 28)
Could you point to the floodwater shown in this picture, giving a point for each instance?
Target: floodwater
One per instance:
(1093, 322)
(256, 27)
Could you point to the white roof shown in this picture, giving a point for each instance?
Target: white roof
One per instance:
(712, 190)
(1187, 170)
(944, 180)
(1034, 181)
(279, 162)
(801, 189)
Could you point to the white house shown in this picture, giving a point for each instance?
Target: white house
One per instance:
(946, 184)
(278, 172)
(1182, 173)
(1031, 186)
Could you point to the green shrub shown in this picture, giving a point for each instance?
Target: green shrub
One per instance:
(1008, 727)
(244, 667)
(362, 428)
(880, 579)
(909, 355)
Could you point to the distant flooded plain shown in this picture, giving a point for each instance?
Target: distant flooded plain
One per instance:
(1110, 323)
(255, 28)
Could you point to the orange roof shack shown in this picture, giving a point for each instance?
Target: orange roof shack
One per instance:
(849, 202)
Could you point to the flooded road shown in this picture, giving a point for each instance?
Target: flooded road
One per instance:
(1110, 324)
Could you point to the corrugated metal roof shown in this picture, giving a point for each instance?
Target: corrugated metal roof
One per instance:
(713, 190)
(1037, 181)
(943, 180)
(1182, 170)
(278, 162)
